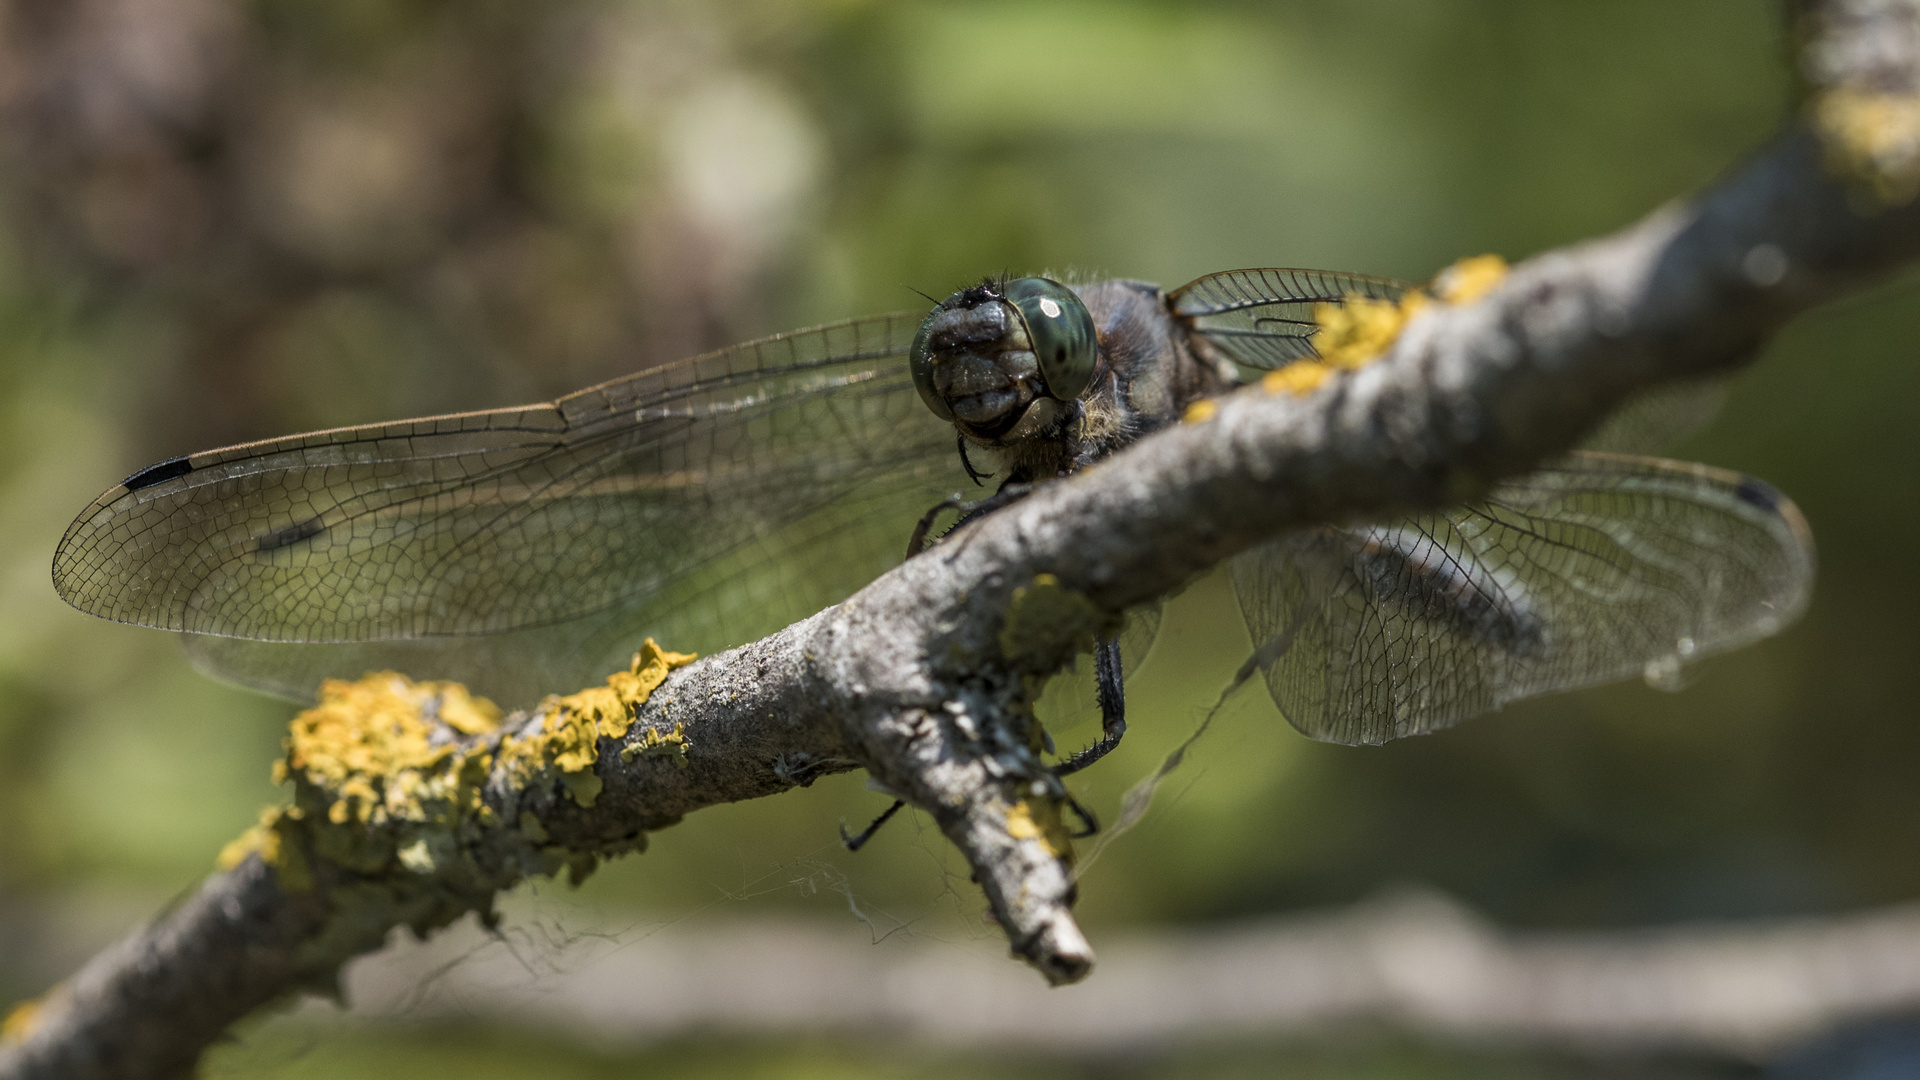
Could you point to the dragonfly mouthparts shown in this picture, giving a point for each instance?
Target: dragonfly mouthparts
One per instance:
(980, 361)
(962, 322)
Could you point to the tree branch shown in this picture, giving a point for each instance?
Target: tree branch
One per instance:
(925, 677)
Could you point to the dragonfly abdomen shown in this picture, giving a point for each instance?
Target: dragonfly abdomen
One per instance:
(1408, 569)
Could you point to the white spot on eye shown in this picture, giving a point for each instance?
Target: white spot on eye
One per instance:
(1765, 265)
(1050, 309)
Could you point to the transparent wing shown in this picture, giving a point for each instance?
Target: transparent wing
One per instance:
(1264, 318)
(1660, 416)
(722, 484)
(1600, 568)
(761, 586)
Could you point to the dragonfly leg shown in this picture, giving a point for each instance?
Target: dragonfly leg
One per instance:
(1008, 493)
(917, 543)
(976, 477)
(1089, 825)
(855, 843)
(1109, 676)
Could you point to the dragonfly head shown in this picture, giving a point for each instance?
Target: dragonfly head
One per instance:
(987, 354)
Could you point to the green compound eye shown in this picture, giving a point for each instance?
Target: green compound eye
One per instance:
(921, 364)
(1061, 331)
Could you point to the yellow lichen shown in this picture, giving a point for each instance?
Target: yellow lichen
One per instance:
(460, 710)
(366, 760)
(417, 857)
(1872, 141)
(259, 839)
(392, 780)
(672, 745)
(1201, 411)
(1358, 330)
(370, 744)
(1299, 378)
(1469, 279)
(570, 728)
(270, 839)
(1025, 821)
(20, 1021)
(1351, 334)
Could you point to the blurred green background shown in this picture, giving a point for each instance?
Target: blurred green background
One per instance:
(229, 219)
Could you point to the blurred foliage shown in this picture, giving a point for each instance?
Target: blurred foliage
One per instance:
(228, 219)
(471, 1055)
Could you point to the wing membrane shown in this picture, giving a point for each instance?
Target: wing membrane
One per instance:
(1600, 568)
(602, 503)
(1264, 318)
(1663, 415)
(758, 587)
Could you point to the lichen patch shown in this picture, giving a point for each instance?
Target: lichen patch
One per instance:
(1469, 279)
(1358, 330)
(20, 1021)
(373, 774)
(1200, 411)
(567, 739)
(1353, 333)
(671, 745)
(1871, 141)
(1028, 821)
(1299, 378)
(371, 744)
(390, 813)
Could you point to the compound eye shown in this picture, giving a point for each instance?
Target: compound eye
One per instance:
(1061, 330)
(920, 361)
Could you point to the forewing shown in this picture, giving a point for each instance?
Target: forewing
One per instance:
(603, 503)
(760, 586)
(1264, 318)
(1600, 568)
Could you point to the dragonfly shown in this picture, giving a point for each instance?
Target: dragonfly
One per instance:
(711, 501)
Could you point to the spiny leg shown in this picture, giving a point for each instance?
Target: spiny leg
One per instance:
(917, 543)
(1110, 679)
(969, 511)
(855, 843)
